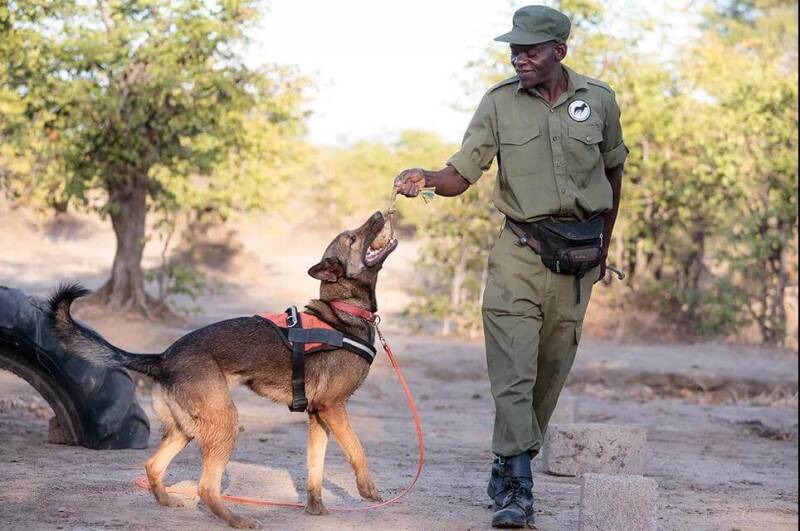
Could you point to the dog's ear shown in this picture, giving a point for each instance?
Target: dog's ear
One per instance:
(328, 270)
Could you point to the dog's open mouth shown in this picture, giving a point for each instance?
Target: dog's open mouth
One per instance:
(380, 247)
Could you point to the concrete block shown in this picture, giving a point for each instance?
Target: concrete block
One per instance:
(618, 503)
(576, 449)
(565, 410)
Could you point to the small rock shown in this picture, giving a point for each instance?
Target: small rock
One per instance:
(575, 449)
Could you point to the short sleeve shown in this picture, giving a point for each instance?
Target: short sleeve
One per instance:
(479, 146)
(612, 147)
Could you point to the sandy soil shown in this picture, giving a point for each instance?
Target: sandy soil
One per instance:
(721, 419)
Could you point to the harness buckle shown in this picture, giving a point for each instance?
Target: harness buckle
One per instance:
(298, 405)
(292, 319)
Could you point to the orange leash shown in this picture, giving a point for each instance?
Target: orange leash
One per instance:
(142, 483)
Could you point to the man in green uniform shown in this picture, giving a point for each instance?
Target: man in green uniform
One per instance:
(558, 142)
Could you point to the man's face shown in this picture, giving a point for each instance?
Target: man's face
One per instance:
(535, 63)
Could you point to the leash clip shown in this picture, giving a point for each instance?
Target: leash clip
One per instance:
(380, 334)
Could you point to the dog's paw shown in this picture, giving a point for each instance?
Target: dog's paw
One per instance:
(242, 522)
(168, 500)
(174, 501)
(369, 491)
(315, 507)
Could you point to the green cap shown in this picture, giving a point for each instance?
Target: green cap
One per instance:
(535, 24)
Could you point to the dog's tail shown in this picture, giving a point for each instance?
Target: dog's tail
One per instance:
(88, 344)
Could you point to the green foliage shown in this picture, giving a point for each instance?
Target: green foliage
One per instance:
(180, 280)
(154, 87)
(756, 95)
(708, 221)
(105, 103)
(346, 184)
(257, 170)
(457, 234)
(27, 171)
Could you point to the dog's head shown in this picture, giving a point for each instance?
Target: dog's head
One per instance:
(351, 262)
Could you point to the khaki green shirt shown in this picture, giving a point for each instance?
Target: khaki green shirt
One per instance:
(551, 159)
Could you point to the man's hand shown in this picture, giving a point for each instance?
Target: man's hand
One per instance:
(410, 182)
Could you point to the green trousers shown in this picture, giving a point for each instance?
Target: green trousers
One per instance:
(532, 327)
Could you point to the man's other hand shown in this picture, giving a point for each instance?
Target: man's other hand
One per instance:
(410, 182)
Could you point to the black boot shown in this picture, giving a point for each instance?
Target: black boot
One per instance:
(497, 488)
(516, 509)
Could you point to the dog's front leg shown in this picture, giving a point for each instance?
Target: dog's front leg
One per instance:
(317, 444)
(337, 419)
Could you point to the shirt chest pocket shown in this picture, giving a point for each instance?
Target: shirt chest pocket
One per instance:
(583, 149)
(520, 150)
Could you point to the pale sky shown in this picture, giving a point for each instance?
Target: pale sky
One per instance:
(380, 67)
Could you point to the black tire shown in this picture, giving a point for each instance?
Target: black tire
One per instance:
(95, 407)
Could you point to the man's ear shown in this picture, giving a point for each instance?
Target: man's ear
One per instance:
(560, 51)
(328, 270)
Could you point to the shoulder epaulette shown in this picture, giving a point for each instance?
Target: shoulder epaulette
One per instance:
(509, 81)
(598, 83)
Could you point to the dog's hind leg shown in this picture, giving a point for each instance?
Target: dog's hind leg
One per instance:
(317, 444)
(337, 419)
(173, 441)
(216, 433)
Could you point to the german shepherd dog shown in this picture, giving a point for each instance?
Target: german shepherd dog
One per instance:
(195, 373)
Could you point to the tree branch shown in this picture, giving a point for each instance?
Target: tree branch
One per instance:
(108, 22)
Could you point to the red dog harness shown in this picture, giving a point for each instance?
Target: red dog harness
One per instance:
(305, 334)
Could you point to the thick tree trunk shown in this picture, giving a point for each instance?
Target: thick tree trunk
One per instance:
(772, 320)
(694, 270)
(125, 289)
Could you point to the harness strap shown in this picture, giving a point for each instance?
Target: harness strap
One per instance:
(299, 400)
(357, 347)
(315, 335)
(319, 337)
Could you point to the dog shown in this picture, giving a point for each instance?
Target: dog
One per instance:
(194, 375)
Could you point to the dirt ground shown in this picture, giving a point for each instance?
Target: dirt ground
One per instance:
(721, 419)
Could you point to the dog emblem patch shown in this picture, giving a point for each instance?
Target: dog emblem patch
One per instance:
(579, 110)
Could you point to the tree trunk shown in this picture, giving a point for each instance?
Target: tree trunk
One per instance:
(456, 287)
(694, 270)
(773, 312)
(125, 289)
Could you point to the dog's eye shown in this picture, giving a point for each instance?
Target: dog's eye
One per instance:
(352, 239)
